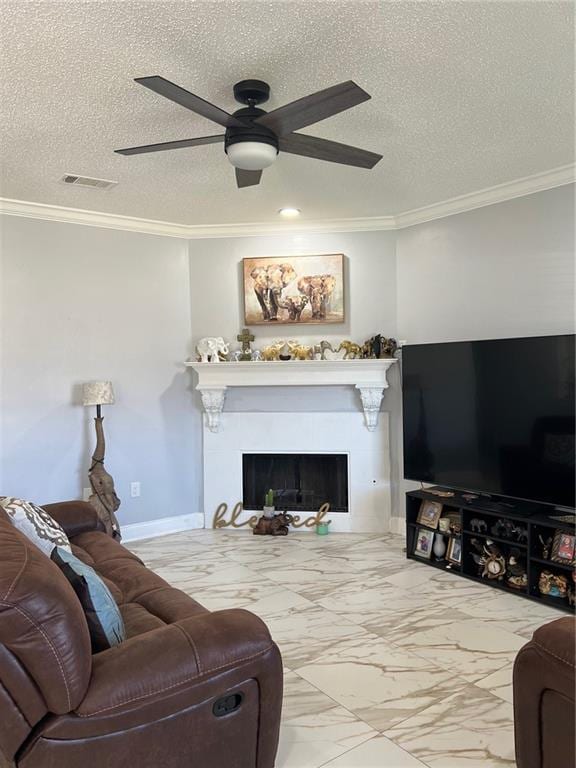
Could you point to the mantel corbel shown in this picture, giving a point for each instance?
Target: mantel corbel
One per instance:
(213, 401)
(371, 397)
(369, 377)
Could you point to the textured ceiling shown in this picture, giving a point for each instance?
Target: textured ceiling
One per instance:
(465, 95)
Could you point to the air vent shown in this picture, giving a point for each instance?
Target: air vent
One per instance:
(86, 181)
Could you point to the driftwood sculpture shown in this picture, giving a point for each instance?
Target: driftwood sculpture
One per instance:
(103, 497)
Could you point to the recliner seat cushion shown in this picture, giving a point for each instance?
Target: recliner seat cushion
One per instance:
(145, 600)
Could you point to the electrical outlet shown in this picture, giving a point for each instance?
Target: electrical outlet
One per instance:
(135, 489)
(86, 493)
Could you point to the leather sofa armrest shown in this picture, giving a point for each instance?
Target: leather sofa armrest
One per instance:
(557, 640)
(545, 664)
(162, 662)
(75, 517)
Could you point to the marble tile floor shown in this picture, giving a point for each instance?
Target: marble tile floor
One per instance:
(388, 663)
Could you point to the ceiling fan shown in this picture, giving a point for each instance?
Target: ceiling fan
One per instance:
(253, 137)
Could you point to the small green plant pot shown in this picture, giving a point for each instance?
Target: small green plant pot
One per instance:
(323, 529)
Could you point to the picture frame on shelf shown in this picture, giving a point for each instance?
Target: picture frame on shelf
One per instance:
(423, 544)
(563, 548)
(454, 552)
(429, 513)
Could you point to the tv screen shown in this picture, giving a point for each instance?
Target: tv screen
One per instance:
(492, 416)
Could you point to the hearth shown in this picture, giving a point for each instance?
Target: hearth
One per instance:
(301, 482)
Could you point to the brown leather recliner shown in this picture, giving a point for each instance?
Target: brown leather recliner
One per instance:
(187, 688)
(544, 683)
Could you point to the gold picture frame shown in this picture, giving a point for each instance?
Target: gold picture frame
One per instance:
(429, 513)
(294, 290)
(423, 543)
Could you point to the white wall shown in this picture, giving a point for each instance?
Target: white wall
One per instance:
(504, 270)
(81, 303)
(370, 284)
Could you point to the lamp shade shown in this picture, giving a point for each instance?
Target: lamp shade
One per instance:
(97, 393)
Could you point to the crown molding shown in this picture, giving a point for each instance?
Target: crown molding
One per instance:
(371, 224)
(497, 194)
(500, 193)
(92, 218)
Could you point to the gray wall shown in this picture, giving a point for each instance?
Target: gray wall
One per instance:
(499, 271)
(81, 303)
(503, 270)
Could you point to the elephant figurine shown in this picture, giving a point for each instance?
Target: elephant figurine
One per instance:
(269, 282)
(318, 289)
(299, 351)
(272, 352)
(352, 350)
(211, 348)
(477, 525)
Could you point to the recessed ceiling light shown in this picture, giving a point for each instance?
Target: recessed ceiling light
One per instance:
(289, 213)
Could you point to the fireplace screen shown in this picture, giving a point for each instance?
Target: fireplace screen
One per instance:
(301, 482)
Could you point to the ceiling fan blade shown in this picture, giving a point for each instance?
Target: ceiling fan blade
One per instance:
(189, 100)
(311, 109)
(180, 144)
(323, 149)
(247, 178)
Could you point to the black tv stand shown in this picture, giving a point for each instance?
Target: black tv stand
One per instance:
(477, 521)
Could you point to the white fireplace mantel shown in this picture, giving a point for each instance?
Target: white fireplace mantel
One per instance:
(369, 377)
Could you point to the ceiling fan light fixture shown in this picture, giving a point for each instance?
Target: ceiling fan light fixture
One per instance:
(251, 155)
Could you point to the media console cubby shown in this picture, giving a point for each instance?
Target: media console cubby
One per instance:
(534, 519)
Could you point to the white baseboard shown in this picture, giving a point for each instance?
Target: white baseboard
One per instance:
(398, 525)
(162, 526)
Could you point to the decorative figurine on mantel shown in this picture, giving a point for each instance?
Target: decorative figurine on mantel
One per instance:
(245, 338)
(212, 349)
(379, 347)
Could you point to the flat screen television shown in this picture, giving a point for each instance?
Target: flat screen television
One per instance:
(495, 416)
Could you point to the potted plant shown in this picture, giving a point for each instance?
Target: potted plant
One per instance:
(269, 507)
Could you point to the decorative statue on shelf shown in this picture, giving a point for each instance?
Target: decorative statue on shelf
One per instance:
(546, 544)
(502, 528)
(352, 350)
(378, 347)
(552, 584)
(212, 349)
(299, 351)
(516, 576)
(478, 526)
(272, 352)
(329, 353)
(245, 338)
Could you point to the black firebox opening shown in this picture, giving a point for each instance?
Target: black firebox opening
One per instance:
(301, 482)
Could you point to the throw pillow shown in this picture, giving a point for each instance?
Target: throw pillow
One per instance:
(102, 614)
(35, 523)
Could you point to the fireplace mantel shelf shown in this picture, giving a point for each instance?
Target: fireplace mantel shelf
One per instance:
(367, 376)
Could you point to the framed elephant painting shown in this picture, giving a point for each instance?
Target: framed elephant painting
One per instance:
(294, 289)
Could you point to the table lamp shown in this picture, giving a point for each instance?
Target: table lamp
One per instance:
(103, 497)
